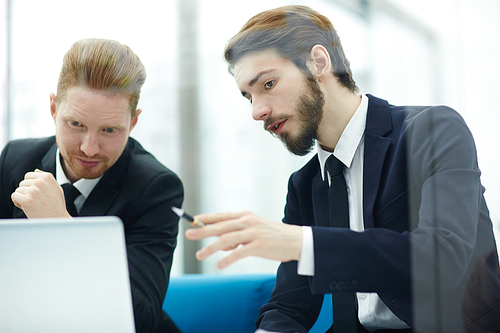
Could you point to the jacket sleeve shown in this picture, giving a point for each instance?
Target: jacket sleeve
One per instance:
(151, 235)
(292, 307)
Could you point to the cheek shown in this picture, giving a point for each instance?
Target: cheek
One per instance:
(286, 97)
(68, 138)
(113, 147)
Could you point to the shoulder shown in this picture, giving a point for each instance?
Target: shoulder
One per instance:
(143, 165)
(426, 114)
(17, 151)
(32, 145)
(416, 123)
(392, 120)
(140, 157)
(435, 122)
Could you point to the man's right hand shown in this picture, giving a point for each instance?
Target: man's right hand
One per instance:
(39, 195)
(247, 234)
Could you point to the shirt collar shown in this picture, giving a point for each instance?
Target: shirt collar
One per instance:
(349, 140)
(85, 186)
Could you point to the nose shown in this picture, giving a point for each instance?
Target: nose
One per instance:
(260, 109)
(90, 144)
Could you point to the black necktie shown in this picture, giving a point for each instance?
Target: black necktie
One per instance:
(344, 305)
(70, 194)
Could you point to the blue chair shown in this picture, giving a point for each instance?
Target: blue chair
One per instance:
(203, 303)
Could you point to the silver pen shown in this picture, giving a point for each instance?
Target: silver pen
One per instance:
(194, 222)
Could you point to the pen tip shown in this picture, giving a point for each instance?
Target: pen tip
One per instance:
(177, 211)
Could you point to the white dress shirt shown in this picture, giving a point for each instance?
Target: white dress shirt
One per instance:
(85, 186)
(372, 312)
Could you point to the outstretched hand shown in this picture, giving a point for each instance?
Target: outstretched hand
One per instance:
(248, 235)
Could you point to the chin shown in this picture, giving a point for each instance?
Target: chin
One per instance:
(90, 174)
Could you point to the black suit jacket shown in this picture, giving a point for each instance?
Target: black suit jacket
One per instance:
(425, 218)
(140, 191)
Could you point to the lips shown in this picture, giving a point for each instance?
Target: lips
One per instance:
(277, 126)
(88, 163)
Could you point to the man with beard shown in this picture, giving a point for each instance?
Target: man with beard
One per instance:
(94, 111)
(412, 202)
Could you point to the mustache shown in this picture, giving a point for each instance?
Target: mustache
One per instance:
(82, 155)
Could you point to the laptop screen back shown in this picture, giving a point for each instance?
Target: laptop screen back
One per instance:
(64, 275)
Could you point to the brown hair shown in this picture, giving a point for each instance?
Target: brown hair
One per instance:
(292, 31)
(104, 65)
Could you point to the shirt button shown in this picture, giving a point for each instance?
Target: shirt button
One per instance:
(362, 295)
(348, 190)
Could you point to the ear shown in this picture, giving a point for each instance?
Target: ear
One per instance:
(319, 62)
(53, 107)
(134, 120)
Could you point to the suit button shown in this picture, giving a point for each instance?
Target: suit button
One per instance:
(342, 286)
(338, 285)
(333, 285)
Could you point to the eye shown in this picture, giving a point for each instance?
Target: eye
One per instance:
(269, 84)
(75, 123)
(109, 130)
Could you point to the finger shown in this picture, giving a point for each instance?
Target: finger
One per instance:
(213, 229)
(32, 175)
(35, 174)
(15, 199)
(219, 217)
(26, 183)
(197, 233)
(226, 241)
(238, 254)
(21, 190)
(230, 248)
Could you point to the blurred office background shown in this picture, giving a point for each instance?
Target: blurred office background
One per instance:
(195, 120)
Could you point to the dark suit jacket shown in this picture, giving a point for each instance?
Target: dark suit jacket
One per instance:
(137, 189)
(425, 218)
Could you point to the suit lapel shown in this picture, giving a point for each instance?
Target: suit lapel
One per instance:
(320, 201)
(378, 124)
(100, 199)
(49, 160)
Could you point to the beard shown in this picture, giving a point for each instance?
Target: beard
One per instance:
(87, 173)
(309, 111)
(69, 161)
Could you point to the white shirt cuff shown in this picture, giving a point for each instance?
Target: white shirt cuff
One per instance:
(305, 265)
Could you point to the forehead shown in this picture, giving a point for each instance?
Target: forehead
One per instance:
(256, 63)
(94, 106)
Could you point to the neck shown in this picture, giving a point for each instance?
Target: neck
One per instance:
(340, 106)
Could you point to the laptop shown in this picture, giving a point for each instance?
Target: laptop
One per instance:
(64, 275)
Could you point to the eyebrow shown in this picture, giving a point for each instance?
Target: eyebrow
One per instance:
(256, 78)
(117, 126)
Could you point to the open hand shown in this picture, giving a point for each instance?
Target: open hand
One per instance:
(248, 235)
